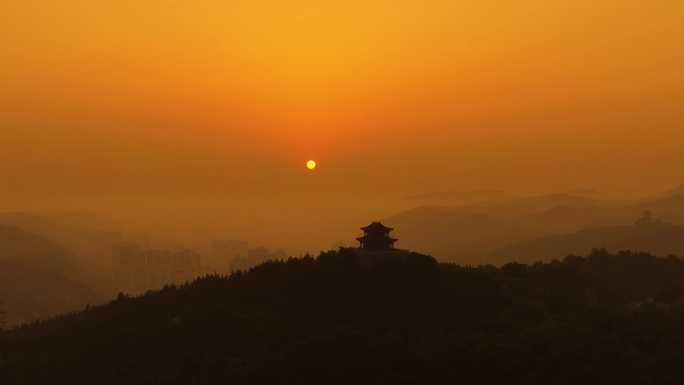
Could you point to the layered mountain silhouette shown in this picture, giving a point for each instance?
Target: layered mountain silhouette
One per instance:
(675, 191)
(40, 277)
(658, 238)
(78, 245)
(88, 235)
(462, 197)
(52, 262)
(31, 294)
(33, 250)
(450, 232)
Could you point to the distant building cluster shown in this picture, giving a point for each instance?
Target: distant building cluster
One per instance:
(224, 251)
(139, 269)
(254, 257)
(231, 255)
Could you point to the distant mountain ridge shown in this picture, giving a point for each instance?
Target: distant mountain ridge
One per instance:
(448, 231)
(675, 191)
(88, 235)
(80, 219)
(34, 250)
(37, 277)
(31, 294)
(658, 238)
(75, 244)
(470, 196)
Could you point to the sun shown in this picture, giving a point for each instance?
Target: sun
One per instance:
(311, 165)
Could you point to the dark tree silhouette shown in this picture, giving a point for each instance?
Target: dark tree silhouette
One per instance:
(602, 319)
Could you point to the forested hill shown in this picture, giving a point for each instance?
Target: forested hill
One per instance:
(601, 319)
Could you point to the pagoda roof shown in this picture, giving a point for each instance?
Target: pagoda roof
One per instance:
(376, 226)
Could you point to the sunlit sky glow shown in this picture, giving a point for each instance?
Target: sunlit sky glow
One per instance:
(132, 98)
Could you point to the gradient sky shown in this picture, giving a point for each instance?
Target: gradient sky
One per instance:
(131, 103)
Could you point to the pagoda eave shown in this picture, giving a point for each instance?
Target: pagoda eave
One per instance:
(373, 239)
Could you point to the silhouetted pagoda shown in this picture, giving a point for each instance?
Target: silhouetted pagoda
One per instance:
(376, 238)
(376, 245)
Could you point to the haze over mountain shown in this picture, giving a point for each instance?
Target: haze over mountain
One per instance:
(88, 236)
(462, 197)
(475, 229)
(656, 237)
(33, 250)
(81, 246)
(40, 277)
(675, 191)
(84, 243)
(30, 294)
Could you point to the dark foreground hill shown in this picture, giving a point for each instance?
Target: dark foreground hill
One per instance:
(603, 319)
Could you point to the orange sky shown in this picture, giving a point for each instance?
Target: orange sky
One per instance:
(230, 98)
